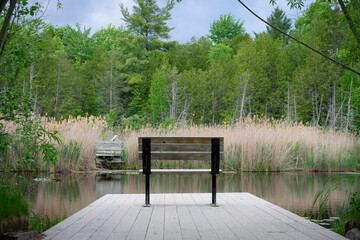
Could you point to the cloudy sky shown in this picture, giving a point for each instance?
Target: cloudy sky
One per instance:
(190, 17)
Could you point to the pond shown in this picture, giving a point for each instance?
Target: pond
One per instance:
(294, 191)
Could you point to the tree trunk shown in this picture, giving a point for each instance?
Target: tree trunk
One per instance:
(243, 99)
(6, 23)
(350, 21)
(288, 106)
(265, 111)
(295, 109)
(2, 5)
(349, 109)
(333, 109)
(111, 79)
(213, 109)
(31, 77)
(57, 92)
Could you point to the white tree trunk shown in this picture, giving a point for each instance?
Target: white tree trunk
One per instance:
(243, 98)
(31, 77)
(111, 79)
(349, 109)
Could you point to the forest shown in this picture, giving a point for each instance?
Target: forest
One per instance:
(131, 78)
(134, 76)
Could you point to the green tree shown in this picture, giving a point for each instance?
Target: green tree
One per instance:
(148, 20)
(349, 8)
(220, 53)
(107, 37)
(79, 45)
(278, 19)
(227, 27)
(158, 98)
(193, 54)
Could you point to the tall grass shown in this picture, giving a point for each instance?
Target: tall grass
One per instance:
(251, 145)
(264, 145)
(79, 136)
(14, 210)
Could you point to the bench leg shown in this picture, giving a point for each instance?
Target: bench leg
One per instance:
(213, 202)
(147, 190)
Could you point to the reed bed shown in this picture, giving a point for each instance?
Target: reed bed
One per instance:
(78, 136)
(269, 145)
(251, 145)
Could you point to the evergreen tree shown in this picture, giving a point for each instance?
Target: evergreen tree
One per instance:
(148, 20)
(279, 20)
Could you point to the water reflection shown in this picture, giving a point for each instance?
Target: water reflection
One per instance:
(292, 191)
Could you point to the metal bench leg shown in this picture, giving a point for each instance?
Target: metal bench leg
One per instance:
(215, 165)
(146, 149)
(147, 190)
(213, 203)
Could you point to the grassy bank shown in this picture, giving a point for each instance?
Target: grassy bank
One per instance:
(253, 145)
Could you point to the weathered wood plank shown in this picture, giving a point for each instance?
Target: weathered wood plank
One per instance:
(100, 220)
(110, 142)
(186, 216)
(109, 152)
(119, 212)
(105, 149)
(187, 225)
(206, 156)
(204, 228)
(140, 226)
(172, 225)
(212, 215)
(179, 171)
(126, 223)
(171, 147)
(157, 221)
(62, 226)
(83, 221)
(198, 140)
(112, 148)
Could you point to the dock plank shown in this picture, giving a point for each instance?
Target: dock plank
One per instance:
(172, 224)
(186, 216)
(187, 225)
(157, 221)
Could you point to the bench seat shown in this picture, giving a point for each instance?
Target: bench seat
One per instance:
(179, 171)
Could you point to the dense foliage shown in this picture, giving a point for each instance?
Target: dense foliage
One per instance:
(132, 74)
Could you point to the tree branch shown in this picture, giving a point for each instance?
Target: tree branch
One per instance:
(302, 43)
(2, 5)
(6, 22)
(350, 21)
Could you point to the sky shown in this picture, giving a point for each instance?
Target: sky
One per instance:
(191, 18)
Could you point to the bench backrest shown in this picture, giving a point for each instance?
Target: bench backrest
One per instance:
(181, 148)
(109, 148)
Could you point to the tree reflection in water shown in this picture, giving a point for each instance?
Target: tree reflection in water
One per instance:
(294, 191)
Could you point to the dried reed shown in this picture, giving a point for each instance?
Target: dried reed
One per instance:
(251, 145)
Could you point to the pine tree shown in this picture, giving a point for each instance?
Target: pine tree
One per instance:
(148, 20)
(279, 20)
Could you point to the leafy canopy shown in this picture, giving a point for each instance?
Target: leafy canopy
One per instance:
(227, 27)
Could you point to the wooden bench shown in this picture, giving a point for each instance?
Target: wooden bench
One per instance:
(109, 152)
(180, 148)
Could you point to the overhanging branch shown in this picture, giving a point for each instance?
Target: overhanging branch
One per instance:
(302, 43)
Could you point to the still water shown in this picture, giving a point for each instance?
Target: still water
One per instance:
(293, 191)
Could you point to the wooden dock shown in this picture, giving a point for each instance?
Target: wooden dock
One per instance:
(186, 216)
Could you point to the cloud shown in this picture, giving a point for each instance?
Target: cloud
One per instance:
(190, 17)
